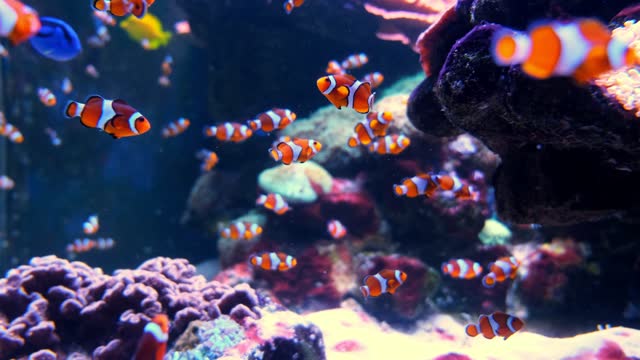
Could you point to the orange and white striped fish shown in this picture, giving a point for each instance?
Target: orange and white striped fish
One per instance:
(274, 202)
(175, 128)
(345, 90)
(295, 150)
(390, 144)
(81, 246)
(92, 71)
(167, 65)
(428, 185)
(46, 97)
(164, 81)
(67, 86)
(104, 17)
(462, 269)
(496, 324)
(153, 344)
(105, 243)
(283, 138)
(502, 269)
(273, 261)
(582, 49)
(241, 230)
(336, 229)
(354, 61)
(373, 126)
(114, 117)
(229, 131)
(289, 5)
(374, 78)
(274, 119)
(6, 183)
(92, 225)
(138, 8)
(19, 21)
(334, 68)
(209, 159)
(386, 281)
(10, 131)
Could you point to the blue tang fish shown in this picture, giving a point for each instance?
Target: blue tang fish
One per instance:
(56, 40)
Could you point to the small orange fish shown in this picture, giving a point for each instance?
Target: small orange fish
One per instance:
(582, 48)
(273, 261)
(345, 90)
(209, 159)
(138, 8)
(355, 61)
(241, 230)
(46, 97)
(81, 245)
(167, 65)
(176, 128)
(182, 27)
(67, 86)
(295, 150)
(367, 130)
(390, 144)
(114, 117)
(92, 71)
(385, 281)
(104, 18)
(153, 344)
(6, 183)
(274, 202)
(274, 119)
(11, 132)
(289, 5)
(496, 324)
(428, 185)
(462, 269)
(374, 78)
(92, 225)
(336, 229)
(229, 131)
(502, 269)
(334, 68)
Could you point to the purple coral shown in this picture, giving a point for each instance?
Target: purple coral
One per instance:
(52, 303)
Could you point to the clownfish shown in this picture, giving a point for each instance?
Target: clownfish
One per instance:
(345, 90)
(138, 8)
(274, 119)
(114, 117)
(105, 243)
(176, 128)
(67, 86)
(167, 65)
(390, 144)
(334, 68)
(502, 269)
(11, 132)
(273, 261)
(582, 49)
(46, 97)
(19, 21)
(373, 126)
(427, 184)
(374, 78)
(84, 245)
(462, 269)
(209, 159)
(241, 230)
(289, 5)
(336, 229)
(385, 281)
(53, 136)
(182, 27)
(496, 324)
(295, 150)
(104, 17)
(164, 81)
(274, 202)
(91, 226)
(153, 344)
(6, 183)
(229, 131)
(92, 71)
(354, 61)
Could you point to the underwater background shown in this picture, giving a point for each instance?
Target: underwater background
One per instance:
(527, 182)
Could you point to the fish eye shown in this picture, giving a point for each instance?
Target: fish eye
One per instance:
(140, 119)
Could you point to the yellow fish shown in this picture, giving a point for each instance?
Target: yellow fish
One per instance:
(147, 31)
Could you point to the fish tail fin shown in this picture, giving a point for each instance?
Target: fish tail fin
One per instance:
(73, 109)
(471, 330)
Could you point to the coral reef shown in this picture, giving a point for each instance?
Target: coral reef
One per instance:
(297, 183)
(537, 127)
(60, 305)
(494, 233)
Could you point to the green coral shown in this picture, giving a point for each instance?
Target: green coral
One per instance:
(494, 233)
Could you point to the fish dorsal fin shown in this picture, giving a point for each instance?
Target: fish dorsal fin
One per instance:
(94, 99)
(120, 101)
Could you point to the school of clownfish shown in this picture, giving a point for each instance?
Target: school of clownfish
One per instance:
(582, 49)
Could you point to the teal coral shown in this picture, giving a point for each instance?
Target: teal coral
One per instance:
(494, 233)
(215, 338)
